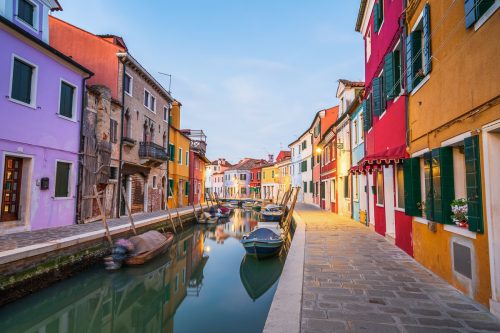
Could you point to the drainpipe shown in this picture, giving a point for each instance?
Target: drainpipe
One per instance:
(403, 46)
(168, 161)
(81, 149)
(120, 162)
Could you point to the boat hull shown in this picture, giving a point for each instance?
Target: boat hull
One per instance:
(145, 257)
(261, 249)
(271, 217)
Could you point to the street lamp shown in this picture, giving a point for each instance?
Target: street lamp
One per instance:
(318, 150)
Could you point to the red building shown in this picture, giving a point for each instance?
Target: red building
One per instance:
(323, 120)
(328, 161)
(380, 23)
(197, 164)
(255, 178)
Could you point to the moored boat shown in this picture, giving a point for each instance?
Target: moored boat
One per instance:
(272, 213)
(262, 243)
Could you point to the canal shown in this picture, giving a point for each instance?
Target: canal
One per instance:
(205, 283)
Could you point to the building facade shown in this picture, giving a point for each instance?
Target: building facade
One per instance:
(302, 163)
(454, 114)
(43, 89)
(296, 174)
(269, 187)
(197, 166)
(215, 167)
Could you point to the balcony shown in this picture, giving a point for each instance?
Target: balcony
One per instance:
(198, 141)
(128, 141)
(152, 152)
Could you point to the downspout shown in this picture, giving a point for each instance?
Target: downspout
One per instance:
(80, 155)
(403, 46)
(168, 161)
(350, 163)
(120, 162)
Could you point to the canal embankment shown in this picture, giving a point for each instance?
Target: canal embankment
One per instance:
(285, 312)
(32, 260)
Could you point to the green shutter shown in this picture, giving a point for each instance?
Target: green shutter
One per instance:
(171, 148)
(427, 40)
(429, 197)
(409, 61)
(473, 184)
(376, 19)
(389, 75)
(366, 120)
(66, 100)
(170, 190)
(305, 187)
(416, 47)
(311, 187)
(436, 185)
(377, 96)
(21, 81)
(312, 162)
(447, 183)
(413, 196)
(62, 180)
(186, 188)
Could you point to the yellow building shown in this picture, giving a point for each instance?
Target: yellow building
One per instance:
(178, 165)
(283, 179)
(269, 185)
(452, 75)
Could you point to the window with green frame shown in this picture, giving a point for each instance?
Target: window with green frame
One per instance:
(22, 77)
(180, 155)
(62, 179)
(186, 188)
(67, 95)
(305, 187)
(26, 11)
(378, 15)
(170, 190)
(171, 152)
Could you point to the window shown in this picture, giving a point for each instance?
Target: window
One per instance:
(171, 187)
(355, 132)
(378, 15)
(380, 188)
(180, 156)
(67, 100)
(113, 131)
(113, 173)
(23, 82)
(418, 51)
(62, 179)
(368, 46)
(333, 191)
(272, 174)
(346, 187)
(258, 175)
(355, 186)
(361, 131)
(392, 73)
(127, 84)
(146, 98)
(317, 130)
(187, 158)
(152, 104)
(304, 144)
(305, 187)
(186, 189)
(244, 190)
(171, 152)
(475, 9)
(303, 166)
(400, 188)
(154, 182)
(165, 114)
(311, 187)
(378, 96)
(26, 12)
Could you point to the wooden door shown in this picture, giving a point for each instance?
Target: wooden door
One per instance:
(11, 189)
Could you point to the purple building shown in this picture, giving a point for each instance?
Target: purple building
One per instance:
(40, 107)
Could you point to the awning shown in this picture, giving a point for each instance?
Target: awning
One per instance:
(376, 161)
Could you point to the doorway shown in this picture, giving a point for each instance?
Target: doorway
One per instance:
(11, 185)
(491, 149)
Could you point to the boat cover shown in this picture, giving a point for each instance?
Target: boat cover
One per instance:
(263, 234)
(148, 241)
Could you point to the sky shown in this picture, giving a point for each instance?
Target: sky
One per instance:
(251, 73)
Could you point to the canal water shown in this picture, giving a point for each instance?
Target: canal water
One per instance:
(205, 283)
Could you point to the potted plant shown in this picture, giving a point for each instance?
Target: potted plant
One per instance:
(459, 209)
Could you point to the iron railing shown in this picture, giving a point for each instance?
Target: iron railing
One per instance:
(153, 151)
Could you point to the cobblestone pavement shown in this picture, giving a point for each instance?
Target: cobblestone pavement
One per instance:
(27, 238)
(356, 281)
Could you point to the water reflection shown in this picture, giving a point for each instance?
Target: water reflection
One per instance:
(135, 299)
(205, 275)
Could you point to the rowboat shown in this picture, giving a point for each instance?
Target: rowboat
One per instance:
(272, 213)
(262, 243)
(149, 245)
(206, 218)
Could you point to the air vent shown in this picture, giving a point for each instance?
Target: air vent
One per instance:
(462, 260)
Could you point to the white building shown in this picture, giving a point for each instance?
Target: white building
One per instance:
(302, 166)
(219, 165)
(346, 93)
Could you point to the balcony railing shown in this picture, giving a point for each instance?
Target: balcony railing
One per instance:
(199, 147)
(150, 150)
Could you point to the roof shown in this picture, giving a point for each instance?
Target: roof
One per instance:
(283, 154)
(247, 164)
(44, 45)
(361, 13)
(354, 84)
(126, 57)
(308, 129)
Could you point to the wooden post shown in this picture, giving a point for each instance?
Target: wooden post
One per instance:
(103, 215)
(170, 213)
(124, 195)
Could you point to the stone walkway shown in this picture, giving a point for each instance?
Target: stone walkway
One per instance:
(356, 281)
(27, 238)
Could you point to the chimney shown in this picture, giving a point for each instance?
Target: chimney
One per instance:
(270, 158)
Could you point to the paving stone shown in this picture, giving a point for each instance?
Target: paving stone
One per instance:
(366, 284)
(484, 325)
(439, 322)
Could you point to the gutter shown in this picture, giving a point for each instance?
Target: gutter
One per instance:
(81, 149)
(120, 158)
